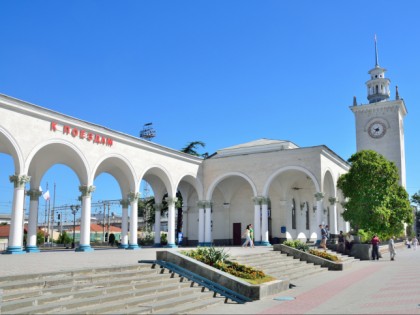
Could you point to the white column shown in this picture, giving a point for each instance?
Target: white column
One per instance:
(171, 222)
(208, 233)
(124, 223)
(158, 209)
(201, 221)
(84, 245)
(333, 228)
(320, 210)
(257, 221)
(33, 220)
(133, 198)
(184, 229)
(264, 223)
(17, 217)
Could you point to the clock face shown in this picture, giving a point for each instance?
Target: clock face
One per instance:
(377, 129)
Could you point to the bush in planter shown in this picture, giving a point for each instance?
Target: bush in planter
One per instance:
(297, 244)
(218, 259)
(324, 255)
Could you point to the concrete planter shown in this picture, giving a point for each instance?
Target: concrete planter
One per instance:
(304, 256)
(361, 251)
(254, 292)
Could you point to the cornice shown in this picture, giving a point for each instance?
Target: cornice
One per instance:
(397, 105)
(39, 112)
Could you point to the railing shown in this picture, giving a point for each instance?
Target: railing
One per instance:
(194, 278)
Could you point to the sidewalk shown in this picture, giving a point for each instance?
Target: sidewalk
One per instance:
(369, 287)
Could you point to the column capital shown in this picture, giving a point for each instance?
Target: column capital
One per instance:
(171, 201)
(332, 200)
(204, 203)
(132, 196)
(256, 200)
(261, 200)
(86, 190)
(34, 194)
(158, 206)
(319, 196)
(124, 203)
(19, 181)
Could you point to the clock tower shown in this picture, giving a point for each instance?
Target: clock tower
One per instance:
(380, 123)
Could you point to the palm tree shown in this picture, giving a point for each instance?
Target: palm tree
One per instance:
(191, 147)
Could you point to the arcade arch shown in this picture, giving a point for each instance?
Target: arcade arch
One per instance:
(292, 204)
(228, 209)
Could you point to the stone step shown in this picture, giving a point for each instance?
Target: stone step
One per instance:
(202, 304)
(164, 301)
(273, 260)
(86, 292)
(267, 255)
(284, 273)
(72, 273)
(94, 301)
(40, 281)
(291, 268)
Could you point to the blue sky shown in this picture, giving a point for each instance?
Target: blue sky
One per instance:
(222, 72)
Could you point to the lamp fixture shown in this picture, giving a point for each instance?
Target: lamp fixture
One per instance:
(314, 208)
(302, 205)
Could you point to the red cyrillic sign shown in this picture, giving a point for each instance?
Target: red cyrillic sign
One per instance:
(81, 134)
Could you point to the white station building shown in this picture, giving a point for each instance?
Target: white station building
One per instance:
(284, 190)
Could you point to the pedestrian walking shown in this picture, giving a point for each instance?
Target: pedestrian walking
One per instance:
(324, 237)
(391, 248)
(251, 235)
(375, 247)
(247, 235)
(415, 242)
(340, 248)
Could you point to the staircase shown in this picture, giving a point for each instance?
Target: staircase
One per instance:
(280, 265)
(134, 289)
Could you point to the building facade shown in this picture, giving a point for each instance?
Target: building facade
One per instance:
(285, 191)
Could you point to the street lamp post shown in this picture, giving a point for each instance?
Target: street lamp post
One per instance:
(74, 210)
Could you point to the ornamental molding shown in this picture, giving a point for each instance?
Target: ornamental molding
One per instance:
(158, 206)
(19, 181)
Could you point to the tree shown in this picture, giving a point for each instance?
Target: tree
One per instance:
(416, 198)
(191, 147)
(375, 200)
(63, 238)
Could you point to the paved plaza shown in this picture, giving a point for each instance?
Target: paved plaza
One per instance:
(369, 287)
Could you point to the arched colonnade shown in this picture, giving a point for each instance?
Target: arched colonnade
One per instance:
(288, 199)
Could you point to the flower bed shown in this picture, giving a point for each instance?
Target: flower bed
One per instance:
(324, 255)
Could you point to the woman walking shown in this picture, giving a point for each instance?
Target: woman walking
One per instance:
(247, 235)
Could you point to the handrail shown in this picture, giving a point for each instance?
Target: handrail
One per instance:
(194, 278)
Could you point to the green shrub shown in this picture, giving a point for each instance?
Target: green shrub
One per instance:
(297, 244)
(218, 259)
(147, 239)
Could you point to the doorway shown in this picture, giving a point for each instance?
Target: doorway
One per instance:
(237, 234)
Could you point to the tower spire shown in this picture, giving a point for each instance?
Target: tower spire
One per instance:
(376, 54)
